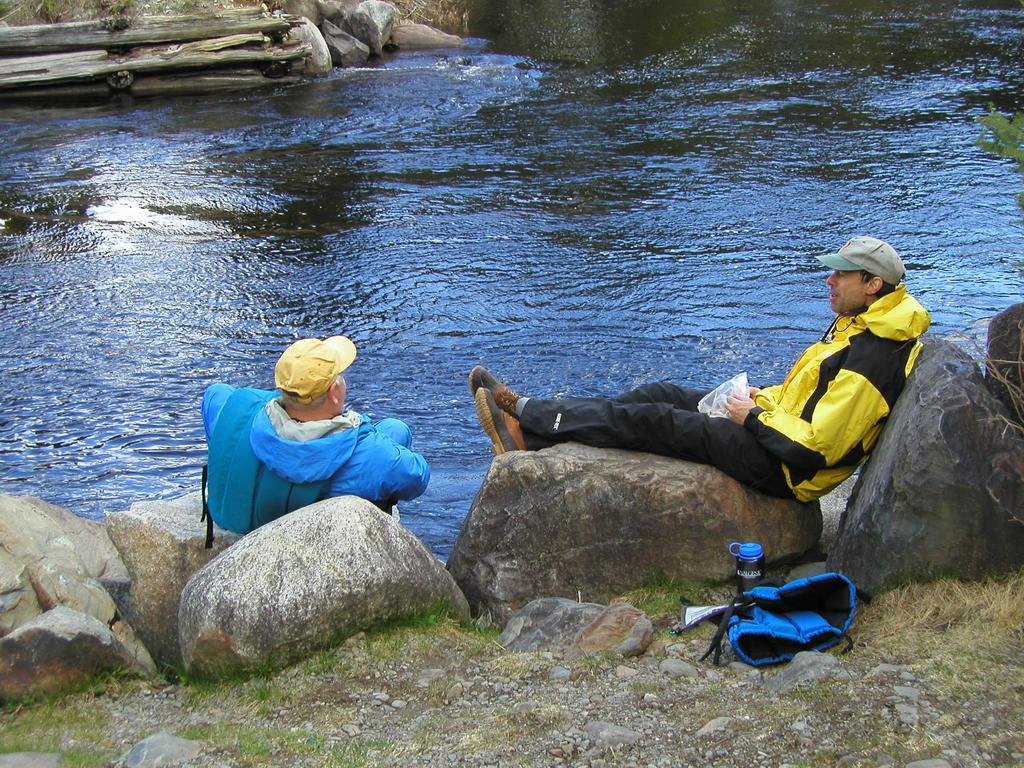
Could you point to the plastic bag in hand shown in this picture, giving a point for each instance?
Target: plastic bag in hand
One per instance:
(713, 403)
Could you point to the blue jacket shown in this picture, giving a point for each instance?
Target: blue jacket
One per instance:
(373, 461)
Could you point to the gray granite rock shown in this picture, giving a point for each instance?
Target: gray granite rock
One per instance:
(943, 493)
(304, 582)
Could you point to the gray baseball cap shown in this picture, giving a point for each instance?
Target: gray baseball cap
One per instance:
(870, 254)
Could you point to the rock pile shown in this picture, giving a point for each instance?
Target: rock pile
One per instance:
(58, 624)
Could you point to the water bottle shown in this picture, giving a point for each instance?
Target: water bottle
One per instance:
(749, 563)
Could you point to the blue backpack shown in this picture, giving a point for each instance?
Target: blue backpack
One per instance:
(772, 624)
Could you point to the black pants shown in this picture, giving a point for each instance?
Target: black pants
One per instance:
(658, 418)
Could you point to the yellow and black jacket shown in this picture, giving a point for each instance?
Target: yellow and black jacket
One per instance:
(824, 419)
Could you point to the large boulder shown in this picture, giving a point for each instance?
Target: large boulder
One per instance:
(383, 14)
(60, 649)
(318, 62)
(309, 9)
(88, 538)
(162, 544)
(360, 24)
(409, 35)
(345, 50)
(335, 11)
(304, 582)
(1004, 362)
(580, 522)
(943, 493)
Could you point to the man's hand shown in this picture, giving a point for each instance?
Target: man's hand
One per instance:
(738, 408)
(752, 392)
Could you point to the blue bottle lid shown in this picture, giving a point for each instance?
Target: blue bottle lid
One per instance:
(750, 550)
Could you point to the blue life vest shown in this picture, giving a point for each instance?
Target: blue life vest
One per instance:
(240, 492)
(770, 624)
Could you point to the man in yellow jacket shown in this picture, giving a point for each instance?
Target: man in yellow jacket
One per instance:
(798, 439)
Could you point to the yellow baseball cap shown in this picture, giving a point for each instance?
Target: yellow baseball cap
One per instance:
(308, 368)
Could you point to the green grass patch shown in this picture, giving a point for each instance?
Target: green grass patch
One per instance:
(81, 759)
(952, 631)
(422, 636)
(334, 661)
(358, 753)
(595, 664)
(472, 731)
(253, 742)
(659, 596)
(45, 726)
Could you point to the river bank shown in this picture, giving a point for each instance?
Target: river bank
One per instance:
(936, 674)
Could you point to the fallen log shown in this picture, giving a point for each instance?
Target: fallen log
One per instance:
(207, 82)
(94, 65)
(175, 84)
(145, 30)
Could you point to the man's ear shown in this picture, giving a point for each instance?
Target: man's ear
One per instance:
(334, 392)
(874, 285)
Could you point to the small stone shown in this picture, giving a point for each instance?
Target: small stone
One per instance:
(887, 669)
(161, 749)
(29, 759)
(624, 673)
(907, 714)
(884, 759)
(907, 692)
(610, 736)
(399, 704)
(454, 693)
(559, 673)
(428, 676)
(932, 763)
(713, 726)
(677, 668)
(806, 666)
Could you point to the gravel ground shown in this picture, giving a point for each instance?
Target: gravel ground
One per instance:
(444, 695)
(478, 705)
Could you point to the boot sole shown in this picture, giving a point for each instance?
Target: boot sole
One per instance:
(474, 385)
(501, 439)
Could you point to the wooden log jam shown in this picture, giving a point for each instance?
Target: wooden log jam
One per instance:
(219, 52)
(146, 30)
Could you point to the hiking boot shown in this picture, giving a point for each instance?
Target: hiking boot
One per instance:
(505, 398)
(503, 429)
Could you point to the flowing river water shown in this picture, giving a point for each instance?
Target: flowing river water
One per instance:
(589, 195)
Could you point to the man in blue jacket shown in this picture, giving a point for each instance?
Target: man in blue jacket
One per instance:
(272, 453)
